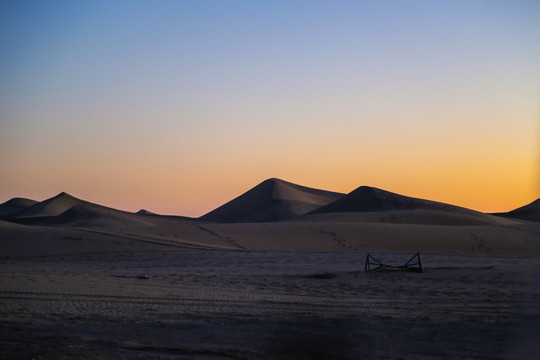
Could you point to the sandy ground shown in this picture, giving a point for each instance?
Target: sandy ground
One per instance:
(83, 281)
(145, 300)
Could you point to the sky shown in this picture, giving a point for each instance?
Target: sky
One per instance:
(179, 106)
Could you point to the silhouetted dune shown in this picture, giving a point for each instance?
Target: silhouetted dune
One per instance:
(274, 215)
(271, 200)
(366, 198)
(528, 212)
(369, 204)
(278, 200)
(64, 209)
(12, 207)
(93, 215)
(145, 212)
(51, 207)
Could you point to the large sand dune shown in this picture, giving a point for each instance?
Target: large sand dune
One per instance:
(369, 204)
(271, 200)
(366, 198)
(528, 212)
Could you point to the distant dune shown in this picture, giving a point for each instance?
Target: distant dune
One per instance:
(91, 215)
(369, 204)
(366, 198)
(145, 212)
(64, 209)
(528, 212)
(50, 207)
(14, 206)
(274, 215)
(271, 200)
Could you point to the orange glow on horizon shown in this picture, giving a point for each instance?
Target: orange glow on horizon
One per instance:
(178, 117)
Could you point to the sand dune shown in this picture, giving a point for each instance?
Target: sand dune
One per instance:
(89, 215)
(271, 200)
(528, 212)
(277, 200)
(278, 215)
(12, 207)
(9, 225)
(145, 212)
(66, 210)
(366, 198)
(51, 207)
(369, 204)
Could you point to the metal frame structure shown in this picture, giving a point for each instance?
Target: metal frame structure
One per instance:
(414, 264)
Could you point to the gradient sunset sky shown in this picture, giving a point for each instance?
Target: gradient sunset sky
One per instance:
(179, 106)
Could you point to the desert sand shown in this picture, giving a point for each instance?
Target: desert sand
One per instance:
(277, 273)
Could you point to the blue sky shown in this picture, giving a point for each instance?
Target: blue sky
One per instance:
(323, 93)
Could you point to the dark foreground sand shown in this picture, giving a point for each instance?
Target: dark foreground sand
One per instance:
(210, 304)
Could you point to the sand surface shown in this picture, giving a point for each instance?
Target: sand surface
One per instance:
(83, 281)
(208, 304)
